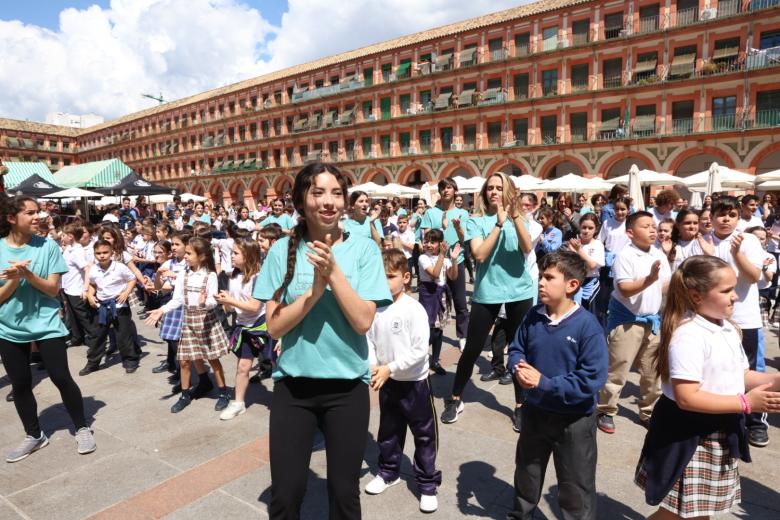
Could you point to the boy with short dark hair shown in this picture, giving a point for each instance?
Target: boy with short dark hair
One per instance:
(748, 213)
(559, 357)
(641, 273)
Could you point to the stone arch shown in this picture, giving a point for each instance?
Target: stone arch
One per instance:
(459, 168)
(259, 188)
(198, 189)
(216, 192)
(181, 188)
(377, 175)
(350, 176)
(414, 173)
(767, 159)
(283, 184)
(694, 160)
(619, 163)
(508, 165)
(561, 165)
(236, 190)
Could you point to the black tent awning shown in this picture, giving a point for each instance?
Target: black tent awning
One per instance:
(134, 184)
(35, 186)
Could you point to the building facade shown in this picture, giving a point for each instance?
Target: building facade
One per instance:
(555, 87)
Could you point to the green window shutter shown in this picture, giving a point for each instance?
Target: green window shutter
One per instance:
(368, 76)
(404, 138)
(366, 146)
(385, 105)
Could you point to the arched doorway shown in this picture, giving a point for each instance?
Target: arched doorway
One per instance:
(622, 166)
(563, 168)
(216, 191)
(769, 163)
(237, 192)
(697, 163)
(379, 177)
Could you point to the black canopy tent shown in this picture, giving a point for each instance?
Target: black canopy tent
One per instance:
(34, 186)
(134, 184)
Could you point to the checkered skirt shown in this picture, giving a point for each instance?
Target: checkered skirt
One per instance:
(709, 484)
(202, 336)
(170, 326)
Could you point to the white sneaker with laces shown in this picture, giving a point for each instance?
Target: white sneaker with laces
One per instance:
(85, 441)
(428, 503)
(378, 485)
(233, 410)
(462, 344)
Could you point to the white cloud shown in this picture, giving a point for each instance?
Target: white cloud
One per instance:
(101, 60)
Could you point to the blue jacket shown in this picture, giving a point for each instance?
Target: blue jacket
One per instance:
(572, 357)
(553, 239)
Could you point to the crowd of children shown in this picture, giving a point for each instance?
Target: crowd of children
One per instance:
(578, 296)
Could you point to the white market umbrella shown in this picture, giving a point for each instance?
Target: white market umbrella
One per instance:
(717, 178)
(527, 182)
(429, 193)
(769, 185)
(649, 178)
(191, 196)
(368, 187)
(575, 183)
(391, 190)
(74, 193)
(774, 175)
(696, 201)
(469, 185)
(635, 188)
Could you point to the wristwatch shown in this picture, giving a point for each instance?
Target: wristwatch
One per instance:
(499, 224)
(764, 268)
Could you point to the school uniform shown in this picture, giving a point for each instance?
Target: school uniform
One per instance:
(685, 249)
(246, 224)
(78, 315)
(398, 338)
(689, 460)
(284, 221)
(249, 338)
(110, 283)
(588, 294)
(202, 336)
(633, 327)
(436, 298)
(355, 228)
(170, 325)
(744, 224)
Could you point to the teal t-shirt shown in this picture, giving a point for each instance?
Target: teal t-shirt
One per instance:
(355, 228)
(503, 277)
(401, 212)
(284, 220)
(203, 218)
(432, 219)
(324, 345)
(29, 315)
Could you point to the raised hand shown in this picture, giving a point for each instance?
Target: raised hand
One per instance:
(443, 248)
(322, 258)
(736, 243)
(706, 244)
(655, 270)
(455, 253)
(575, 245)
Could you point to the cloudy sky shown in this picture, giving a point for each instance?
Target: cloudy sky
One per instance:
(98, 56)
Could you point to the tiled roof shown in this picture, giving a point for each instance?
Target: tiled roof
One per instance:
(42, 128)
(404, 41)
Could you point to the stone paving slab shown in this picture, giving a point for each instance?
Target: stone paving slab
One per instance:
(153, 464)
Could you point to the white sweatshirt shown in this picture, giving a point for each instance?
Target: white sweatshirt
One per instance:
(399, 338)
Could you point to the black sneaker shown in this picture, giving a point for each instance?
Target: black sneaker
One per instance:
(438, 369)
(175, 389)
(222, 402)
(204, 387)
(452, 408)
(162, 367)
(758, 438)
(506, 379)
(130, 369)
(606, 423)
(517, 419)
(493, 375)
(183, 402)
(88, 369)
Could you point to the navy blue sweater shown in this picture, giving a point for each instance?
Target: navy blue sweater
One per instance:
(572, 357)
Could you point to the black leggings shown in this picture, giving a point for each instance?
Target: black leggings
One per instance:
(483, 315)
(339, 408)
(16, 360)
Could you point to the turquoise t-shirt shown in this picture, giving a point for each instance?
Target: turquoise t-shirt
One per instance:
(503, 277)
(203, 218)
(355, 228)
(324, 345)
(29, 315)
(284, 220)
(432, 219)
(401, 212)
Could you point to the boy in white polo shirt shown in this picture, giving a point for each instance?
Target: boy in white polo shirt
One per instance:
(78, 317)
(110, 284)
(745, 254)
(641, 273)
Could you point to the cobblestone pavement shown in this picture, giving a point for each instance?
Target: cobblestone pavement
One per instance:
(153, 464)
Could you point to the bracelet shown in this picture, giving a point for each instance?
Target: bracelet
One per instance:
(499, 224)
(746, 409)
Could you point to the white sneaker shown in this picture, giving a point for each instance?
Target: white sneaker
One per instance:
(378, 485)
(428, 503)
(462, 344)
(233, 410)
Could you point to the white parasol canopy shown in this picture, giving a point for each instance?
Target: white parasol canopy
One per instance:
(635, 188)
(649, 178)
(769, 185)
(469, 185)
(73, 193)
(718, 177)
(575, 183)
(191, 196)
(527, 183)
(768, 176)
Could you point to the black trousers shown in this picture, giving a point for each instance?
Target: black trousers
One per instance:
(125, 328)
(16, 360)
(78, 319)
(458, 291)
(571, 439)
(340, 409)
(483, 315)
(755, 420)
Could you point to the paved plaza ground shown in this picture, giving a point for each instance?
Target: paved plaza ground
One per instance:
(153, 464)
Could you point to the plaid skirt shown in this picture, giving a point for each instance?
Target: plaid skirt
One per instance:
(170, 326)
(202, 336)
(709, 484)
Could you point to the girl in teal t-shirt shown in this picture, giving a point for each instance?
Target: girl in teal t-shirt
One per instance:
(499, 242)
(278, 216)
(321, 292)
(30, 269)
(360, 222)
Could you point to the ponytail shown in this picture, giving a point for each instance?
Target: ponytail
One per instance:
(292, 254)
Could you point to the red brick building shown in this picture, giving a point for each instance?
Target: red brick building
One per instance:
(548, 88)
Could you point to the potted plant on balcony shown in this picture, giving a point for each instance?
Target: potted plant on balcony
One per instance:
(709, 67)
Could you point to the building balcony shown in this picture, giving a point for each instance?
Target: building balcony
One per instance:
(613, 82)
(687, 16)
(610, 33)
(549, 137)
(755, 5)
(729, 8)
(649, 24)
(498, 55)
